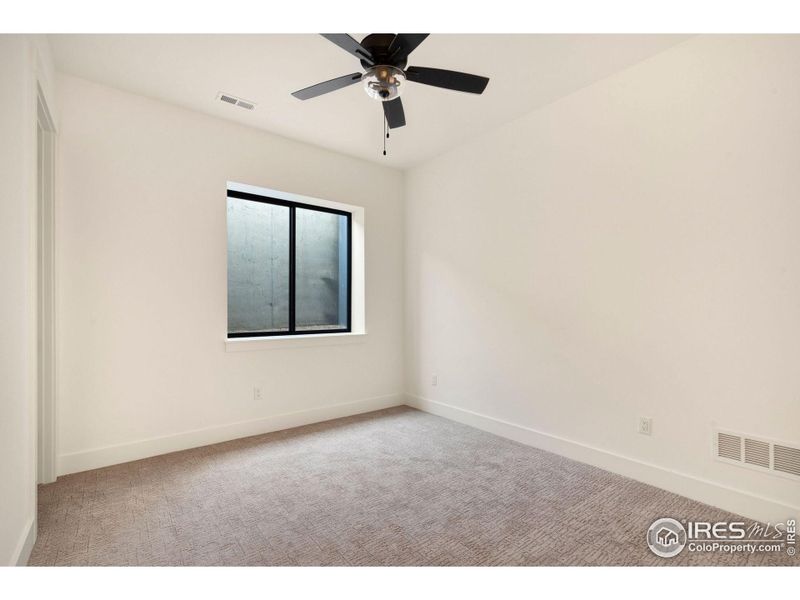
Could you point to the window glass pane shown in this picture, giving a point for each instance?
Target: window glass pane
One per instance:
(321, 270)
(258, 266)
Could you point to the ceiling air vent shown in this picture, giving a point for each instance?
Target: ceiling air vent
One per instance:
(231, 99)
(757, 453)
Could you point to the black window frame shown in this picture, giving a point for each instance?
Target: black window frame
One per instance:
(293, 206)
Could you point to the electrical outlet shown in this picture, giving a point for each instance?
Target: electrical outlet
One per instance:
(646, 425)
(257, 394)
(434, 380)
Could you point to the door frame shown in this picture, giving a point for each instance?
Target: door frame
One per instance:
(46, 461)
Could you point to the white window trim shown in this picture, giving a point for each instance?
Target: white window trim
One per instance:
(274, 342)
(357, 290)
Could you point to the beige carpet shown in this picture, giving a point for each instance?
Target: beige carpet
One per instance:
(394, 487)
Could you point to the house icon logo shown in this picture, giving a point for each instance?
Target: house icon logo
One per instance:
(666, 537)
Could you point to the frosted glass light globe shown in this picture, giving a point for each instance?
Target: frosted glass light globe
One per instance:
(383, 82)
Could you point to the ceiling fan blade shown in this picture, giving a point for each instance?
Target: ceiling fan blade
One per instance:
(404, 44)
(451, 80)
(348, 44)
(313, 91)
(395, 115)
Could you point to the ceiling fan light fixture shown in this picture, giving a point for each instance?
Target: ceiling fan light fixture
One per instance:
(385, 56)
(383, 82)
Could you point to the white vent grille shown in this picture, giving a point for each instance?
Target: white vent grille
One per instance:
(757, 453)
(729, 446)
(787, 459)
(240, 102)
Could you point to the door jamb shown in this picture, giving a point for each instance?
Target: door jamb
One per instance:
(46, 468)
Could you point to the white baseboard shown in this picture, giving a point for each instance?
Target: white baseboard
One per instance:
(121, 453)
(730, 499)
(25, 545)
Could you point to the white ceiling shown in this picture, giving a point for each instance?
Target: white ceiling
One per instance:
(526, 72)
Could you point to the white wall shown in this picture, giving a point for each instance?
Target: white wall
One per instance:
(24, 61)
(143, 367)
(631, 249)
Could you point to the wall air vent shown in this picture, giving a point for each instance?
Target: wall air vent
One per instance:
(230, 99)
(729, 446)
(757, 453)
(787, 459)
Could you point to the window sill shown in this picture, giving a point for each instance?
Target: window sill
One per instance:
(293, 341)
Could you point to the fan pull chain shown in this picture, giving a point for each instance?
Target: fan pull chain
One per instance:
(385, 136)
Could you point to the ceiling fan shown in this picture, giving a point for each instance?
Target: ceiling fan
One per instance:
(384, 57)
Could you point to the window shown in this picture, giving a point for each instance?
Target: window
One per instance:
(289, 267)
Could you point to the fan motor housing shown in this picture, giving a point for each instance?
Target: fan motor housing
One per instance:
(378, 45)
